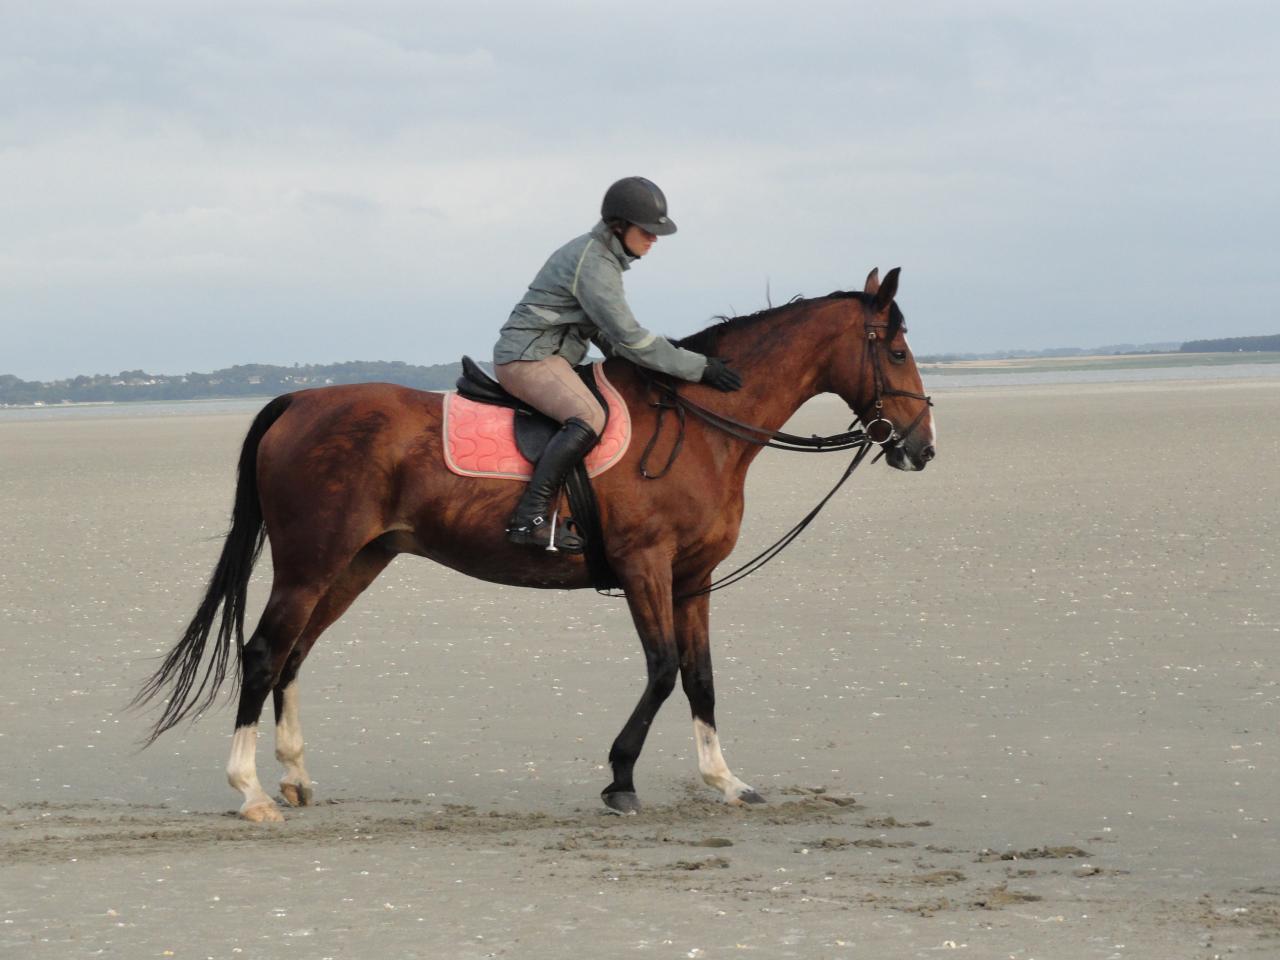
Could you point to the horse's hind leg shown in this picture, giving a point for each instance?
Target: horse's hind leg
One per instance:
(262, 660)
(295, 784)
(693, 637)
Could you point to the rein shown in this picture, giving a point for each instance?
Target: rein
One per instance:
(764, 556)
(748, 433)
(859, 440)
(851, 439)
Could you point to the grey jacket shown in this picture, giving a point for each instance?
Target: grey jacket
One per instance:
(576, 298)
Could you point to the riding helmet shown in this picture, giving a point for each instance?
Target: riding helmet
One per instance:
(639, 201)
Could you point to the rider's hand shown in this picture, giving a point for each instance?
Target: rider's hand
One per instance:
(720, 375)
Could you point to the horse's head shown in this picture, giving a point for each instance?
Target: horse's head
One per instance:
(879, 380)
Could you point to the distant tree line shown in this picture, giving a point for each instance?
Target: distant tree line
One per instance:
(247, 380)
(1233, 345)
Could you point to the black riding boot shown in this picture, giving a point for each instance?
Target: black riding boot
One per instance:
(531, 523)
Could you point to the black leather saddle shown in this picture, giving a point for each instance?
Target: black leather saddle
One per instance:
(533, 428)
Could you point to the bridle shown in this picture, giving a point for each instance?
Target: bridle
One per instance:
(891, 435)
(860, 440)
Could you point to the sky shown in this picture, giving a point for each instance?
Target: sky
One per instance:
(186, 185)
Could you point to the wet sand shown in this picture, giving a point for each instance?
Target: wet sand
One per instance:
(1024, 704)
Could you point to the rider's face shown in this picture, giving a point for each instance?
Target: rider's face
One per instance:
(638, 240)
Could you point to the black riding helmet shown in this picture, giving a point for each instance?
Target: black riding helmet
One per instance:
(639, 201)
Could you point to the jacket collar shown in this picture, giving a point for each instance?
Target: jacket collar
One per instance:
(613, 244)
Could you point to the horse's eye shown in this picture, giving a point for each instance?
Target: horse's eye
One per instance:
(898, 356)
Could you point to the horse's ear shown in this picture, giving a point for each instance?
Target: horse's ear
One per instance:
(873, 282)
(888, 290)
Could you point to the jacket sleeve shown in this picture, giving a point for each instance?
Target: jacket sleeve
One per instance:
(597, 285)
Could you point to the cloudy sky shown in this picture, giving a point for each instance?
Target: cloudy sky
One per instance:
(186, 184)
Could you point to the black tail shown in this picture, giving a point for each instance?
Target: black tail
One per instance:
(228, 588)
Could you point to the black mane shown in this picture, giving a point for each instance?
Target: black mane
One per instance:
(704, 341)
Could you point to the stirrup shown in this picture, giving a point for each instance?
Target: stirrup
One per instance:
(554, 536)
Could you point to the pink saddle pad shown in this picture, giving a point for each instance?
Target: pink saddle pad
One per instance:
(480, 441)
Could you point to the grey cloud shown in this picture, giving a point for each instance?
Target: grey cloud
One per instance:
(1048, 173)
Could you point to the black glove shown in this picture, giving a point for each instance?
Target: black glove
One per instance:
(720, 375)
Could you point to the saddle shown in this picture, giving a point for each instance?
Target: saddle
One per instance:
(533, 430)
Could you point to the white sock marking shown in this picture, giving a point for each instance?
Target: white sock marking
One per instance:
(711, 764)
(242, 767)
(289, 739)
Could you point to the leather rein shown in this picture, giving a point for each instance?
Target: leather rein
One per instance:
(860, 440)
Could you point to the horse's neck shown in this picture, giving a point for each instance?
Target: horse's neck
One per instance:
(783, 362)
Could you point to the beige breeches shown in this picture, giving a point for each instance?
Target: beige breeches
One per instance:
(551, 386)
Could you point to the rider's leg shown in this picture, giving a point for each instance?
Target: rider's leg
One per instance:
(530, 524)
(551, 386)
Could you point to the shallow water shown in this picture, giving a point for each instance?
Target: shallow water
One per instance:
(1240, 371)
(141, 410)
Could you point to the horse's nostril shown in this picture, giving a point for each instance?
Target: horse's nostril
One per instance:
(928, 453)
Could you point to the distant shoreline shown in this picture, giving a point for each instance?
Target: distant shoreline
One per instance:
(1090, 367)
(238, 382)
(1030, 375)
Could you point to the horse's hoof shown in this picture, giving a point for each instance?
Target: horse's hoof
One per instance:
(296, 794)
(747, 797)
(621, 801)
(260, 812)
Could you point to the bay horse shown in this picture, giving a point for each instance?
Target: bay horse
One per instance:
(341, 479)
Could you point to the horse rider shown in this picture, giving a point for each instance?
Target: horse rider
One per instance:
(577, 298)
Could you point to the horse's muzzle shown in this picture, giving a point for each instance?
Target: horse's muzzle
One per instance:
(910, 456)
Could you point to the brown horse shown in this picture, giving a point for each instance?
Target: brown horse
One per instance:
(342, 479)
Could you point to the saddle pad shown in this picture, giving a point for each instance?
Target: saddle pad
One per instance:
(480, 441)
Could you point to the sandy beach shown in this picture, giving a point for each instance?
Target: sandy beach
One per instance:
(1024, 704)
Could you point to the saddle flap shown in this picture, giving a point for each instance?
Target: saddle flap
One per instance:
(533, 432)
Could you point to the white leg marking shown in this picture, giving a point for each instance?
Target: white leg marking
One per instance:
(242, 774)
(715, 772)
(295, 785)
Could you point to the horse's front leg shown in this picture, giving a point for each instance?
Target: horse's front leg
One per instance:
(648, 588)
(693, 639)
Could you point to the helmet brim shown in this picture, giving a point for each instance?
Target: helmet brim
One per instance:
(665, 227)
